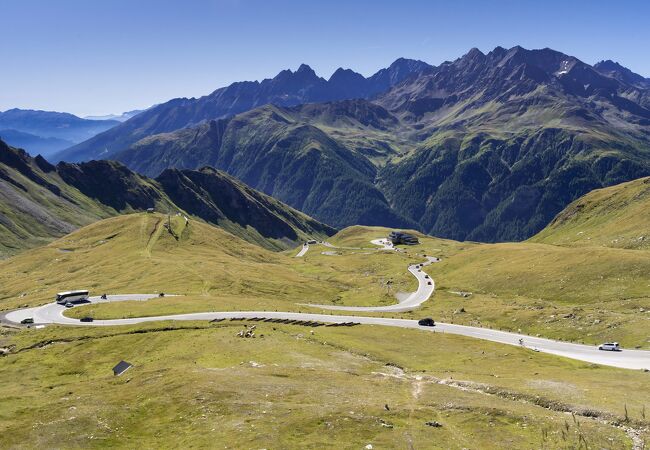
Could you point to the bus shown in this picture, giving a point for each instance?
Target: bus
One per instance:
(71, 296)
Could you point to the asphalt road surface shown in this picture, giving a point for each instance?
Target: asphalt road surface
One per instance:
(629, 359)
(303, 250)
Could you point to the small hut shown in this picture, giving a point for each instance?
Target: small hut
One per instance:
(121, 367)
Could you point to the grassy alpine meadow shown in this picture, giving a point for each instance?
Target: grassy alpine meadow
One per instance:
(586, 294)
(616, 216)
(137, 254)
(194, 384)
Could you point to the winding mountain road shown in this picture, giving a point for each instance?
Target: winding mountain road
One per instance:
(303, 250)
(628, 359)
(425, 289)
(413, 300)
(52, 313)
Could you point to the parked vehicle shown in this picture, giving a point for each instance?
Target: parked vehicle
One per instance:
(312, 242)
(610, 347)
(71, 296)
(86, 319)
(69, 305)
(27, 321)
(427, 322)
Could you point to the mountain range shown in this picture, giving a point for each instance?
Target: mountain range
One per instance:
(40, 201)
(37, 145)
(119, 117)
(47, 132)
(488, 147)
(287, 88)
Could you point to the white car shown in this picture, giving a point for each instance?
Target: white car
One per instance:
(610, 346)
(69, 304)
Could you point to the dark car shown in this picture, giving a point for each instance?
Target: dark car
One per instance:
(86, 319)
(27, 321)
(426, 322)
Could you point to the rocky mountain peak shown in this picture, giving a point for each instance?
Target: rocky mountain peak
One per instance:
(474, 53)
(304, 69)
(615, 70)
(345, 75)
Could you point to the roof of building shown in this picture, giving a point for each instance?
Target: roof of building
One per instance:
(121, 367)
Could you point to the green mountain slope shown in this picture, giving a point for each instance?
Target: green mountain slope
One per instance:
(39, 201)
(511, 138)
(278, 152)
(36, 205)
(137, 253)
(489, 147)
(225, 201)
(392, 381)
(617, 216)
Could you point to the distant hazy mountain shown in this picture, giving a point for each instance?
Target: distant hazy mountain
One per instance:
(52, 127)
(119, 117)
(286, 89)
(39, 201)
(487, 147)
(35, 144)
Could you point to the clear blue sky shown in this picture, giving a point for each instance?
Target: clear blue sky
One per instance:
(109, 56)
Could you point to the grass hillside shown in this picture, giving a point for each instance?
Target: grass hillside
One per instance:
(222, 200)
(137, 253)
(194, 383)
(40, 202)
(585, 295)
(588, 295)
(618, 216)
(36, 205)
